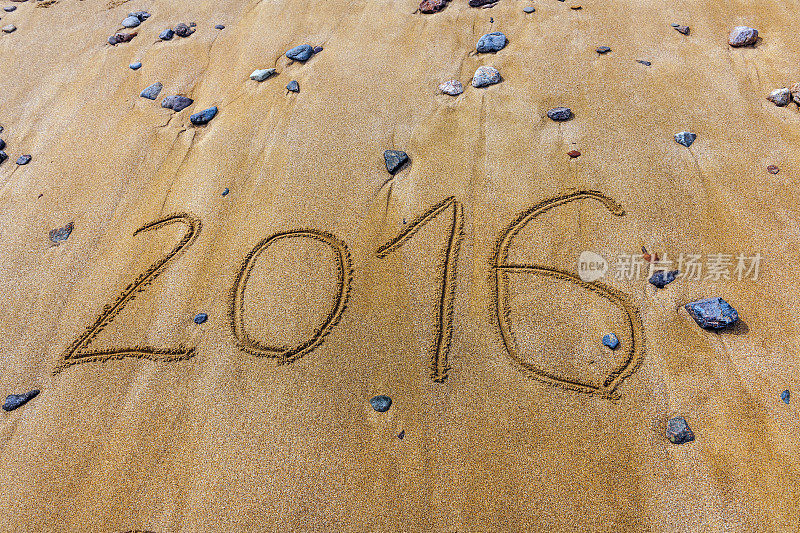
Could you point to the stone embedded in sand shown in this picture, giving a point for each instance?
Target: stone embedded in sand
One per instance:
(204, 116)
(166, 35)
(611, 340)
(381, 403)
(182, 30)
(743, 36)
(24, 159)
(131, 22)
(795, 90)
(262, 74)
(712, 313)
(9, 9)
(293, 86)
(2, 144)
(141, 15)
(574, 153)
(486, 76)
(682, 29)
(300, 53)
(18, 400)
(678, 431)
(560, 114)
(121, 38)
(481, 3)
(685, 138)
(785, 397)
(219, 27)
(529, 9)
(318, 49)
(492, 42)
(226, 191)
(394, 160)
(643, 62)
(3, 156)
(780, 97)
(662, 278)
(603, 49)
(200, 318)
(151, 92)
(58, 235)
(772, 169)
(432, 6)
(136, 65)
(9, 28)
(176, 102)
(452, 87)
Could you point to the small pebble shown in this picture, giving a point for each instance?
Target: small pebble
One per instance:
(481, 3)
(2, 144)
(176, 103)
(662, 278)
(712, 313)
(395, 159)
(603, 49)
(204, 116)
(381, 403)
(486, 76)
(293, 86)
(402, 434)
(682, 29)
(9, 9)
(643, 62)
(141, 15)
(743, 36)
(24, 159)
(678, 431)
(300, 53)
(3, 156)
(560, 114)
(576, 7)
(136, 65)
(121, 38)
(131, 22)
(200, 318)
(780, 97)
(574, 153)
(219, 27)
(8, 28)
(318, 49)
(528, 9)
(151, 92)
(166, 35)
(611, 340)
(492, 42)
(18, 400)
(785, 397)
(225, 191)
(452, 87)
(772, 169)
(795, 90)
(193, 24)
(674, 25)
(685, 138)
(182, 30)
(61, 234)
(432, 6)
(262, 74)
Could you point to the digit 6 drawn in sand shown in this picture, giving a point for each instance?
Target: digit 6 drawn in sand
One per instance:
(288, 354)
(77, 353)
(501, 268)
(444, 309)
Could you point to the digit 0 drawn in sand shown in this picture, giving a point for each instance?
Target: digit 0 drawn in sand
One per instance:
(288, 354)
(502, 312)
(77, 353)
(444, 309)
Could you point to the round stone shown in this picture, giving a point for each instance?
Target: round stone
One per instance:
(560, 114)
(528, 9)
(603, 49)
(219, 27)
(743, 36)
(131, 22)
(136, 65)
(300, 53)
(200, 318)
(381, 403)
(491, 42)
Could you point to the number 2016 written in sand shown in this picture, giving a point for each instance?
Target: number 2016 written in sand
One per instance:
(448, 212)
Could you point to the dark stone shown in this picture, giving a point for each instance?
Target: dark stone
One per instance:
(529, 9)
(394, 160)
(402, 434)
(381, 403)
(318, 49)
(785, 397)
(560, 114)
(204, 116)
(611, 340)
(2, 144)
(492, 42)
(193, 24)
(643, 62)
(662, 278)
(136, 65)
(24, 159)
(685, 138)
(182, 30)
(166, 35)
(481, 3)
(219, 27)
(678, 431)
(151, 92)
(225, 191)
(121, 38)
(432, 6)
(682, 29)
(293, 86)
(176, 103)
(712, 313)
(300, 53)
(3, 156)
(18, 400)
(9, 9)
(61, 234)
(141, 15)
(603, 49)
(200, 318)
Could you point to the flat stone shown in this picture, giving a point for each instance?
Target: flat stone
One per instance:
(560, 114)
(682, 29)
(662, 278)
(780, 97)
(574, 153)
(262, 74)
(200, 318)
(182, 30)
(481, 3)
(785, 396)
(712, 313)
(136, 65)
(24, 159)
(529, 9)
(293, 86)
(9, 28)
(643, 62)
(432, 6)
(678, 431)
(300, 53)
(131, 22)
(204, 116)
(394, 160)
(141, 15)
(486, 76)
(3, 156)
(381, 403)
(58, 235)
(225, 191)
(219, 27)
(121, 38)
(318, 49)
(611, 340)
(452, 87)
(685, 138)
(9, 9)
(674, 25)
(151, 92)
(603, 49)
(14, 401)
(743, 36)
(2, 144)
(492, 42)
(166, 35)
(176, 103)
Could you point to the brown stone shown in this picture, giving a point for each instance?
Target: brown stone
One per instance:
(772, 169)
(573, 153)
(432, 6)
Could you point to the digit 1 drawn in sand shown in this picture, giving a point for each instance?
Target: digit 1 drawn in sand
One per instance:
(502, 313)
(288, 354)
(444, 309)
(77, 353)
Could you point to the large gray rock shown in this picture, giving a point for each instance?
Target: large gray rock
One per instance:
(492, 42)
(176, 103)
(300, 53)
(151, 92)
(131, 22)
(780, 97)
(685, 138)
(678, 431)
(559, 114)
(394, 160)
(743, 36)
(712, 313)
(486, 76)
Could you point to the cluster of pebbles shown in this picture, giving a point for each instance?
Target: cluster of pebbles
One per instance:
(24, 159)
(131, 21)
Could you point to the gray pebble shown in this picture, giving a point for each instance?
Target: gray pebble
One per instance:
(2, 144)
(395, 159)
(151, 92)
(712, 313)
(219, 27)
(611, 340)
(182, 30)
(131, 22)
(560, 114)
(492, 42)
(381, 403)
(225, 191)
(674, 25)
(662, 278)
(685, 138)
(200, 318)
(166, 35)
(262, 74)
(528, 9)
(603, 49)
(452, 87)
(743, 36)
(486, 76)
(780, 97)
(9, 28)
(141, 15)
(317, 49)
(18, 400)
(204, 116)
(785, 397)
(61, 234)
(176, 103)
(136, 65)
(300, 53)
(3, 156)
(682, 29)
(9, 9)
(24, 159)
(678, 431)
(643, 62)
(293, 86)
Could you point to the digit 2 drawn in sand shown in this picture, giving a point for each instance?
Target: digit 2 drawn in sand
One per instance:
(620, 299)
(77, 353)
(288, 354)
(444, 310)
